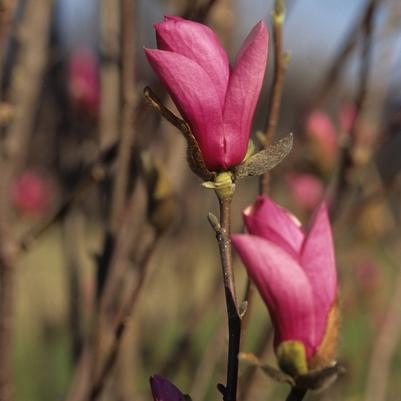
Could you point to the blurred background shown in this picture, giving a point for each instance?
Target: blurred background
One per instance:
(109, 270)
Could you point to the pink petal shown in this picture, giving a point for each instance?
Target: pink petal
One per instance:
(243, 92)
(195, 97)
(164, 390)
(284, 288)
(318, 262)
(270, 221)
(200, 44)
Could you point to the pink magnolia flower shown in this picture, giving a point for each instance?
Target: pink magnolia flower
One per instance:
(164, 390)
(294, 271)
(306, 189)
(346, 117)
(216, 100)
(323, 133)
(83, 82)
(31, 193)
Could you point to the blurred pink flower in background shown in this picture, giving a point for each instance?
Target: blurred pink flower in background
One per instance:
(295, 273)
(306, 190)
(346, 117)
(368, 277)
(217, 101)
(323, 134)
(31, 193)
(83, 82)
(164, 390)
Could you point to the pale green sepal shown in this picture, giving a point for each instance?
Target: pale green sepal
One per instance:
(250, 151)
(223, 184)
(291, 358)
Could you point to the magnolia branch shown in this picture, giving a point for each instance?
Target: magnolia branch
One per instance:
(296, 394)
(128, 110)
(342, 180)
(280, 67)
(223, 229)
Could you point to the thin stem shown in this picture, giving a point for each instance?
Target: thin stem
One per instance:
(296, 394)
(234, 321)
(129, 101)
(120, 324)
(346, 161)
(280, 67)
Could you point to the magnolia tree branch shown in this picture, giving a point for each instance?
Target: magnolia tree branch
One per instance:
(31, 59)
(223, 229)
(121, 323)
(346, 162)
(296, 394)
(128, 110)
(280, 67)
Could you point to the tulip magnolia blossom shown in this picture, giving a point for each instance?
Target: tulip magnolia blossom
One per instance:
(294, 271)
(217, 101)
(306, 189)
(164, 390)
(83, 82)
(323, 133)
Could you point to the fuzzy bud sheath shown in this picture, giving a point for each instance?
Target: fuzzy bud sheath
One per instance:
(295, 272)
(217, 100)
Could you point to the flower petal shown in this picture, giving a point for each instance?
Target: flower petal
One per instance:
(243, 92)
(270, 221)
(318, 262)
(164, 390)
(195, 97)
(283, 286)
(200, 44)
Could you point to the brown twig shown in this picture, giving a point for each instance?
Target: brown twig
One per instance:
(121, 323)
(223, 230)
(109, 116)
(24, 95)
(129, 101)
(280, 67)
(342, 179)
(296, 394)
(72, 239)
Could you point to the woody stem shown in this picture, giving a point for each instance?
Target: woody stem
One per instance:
(234, 321)
(296, 394)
